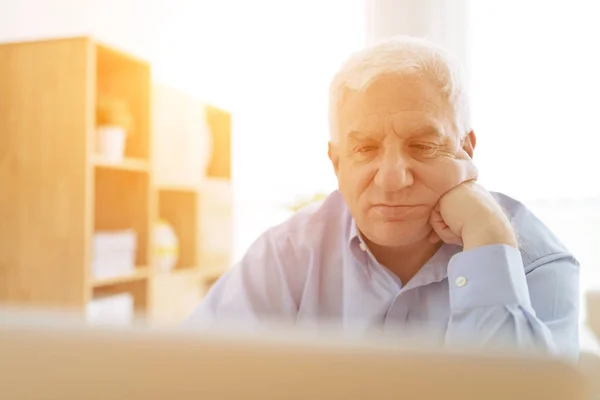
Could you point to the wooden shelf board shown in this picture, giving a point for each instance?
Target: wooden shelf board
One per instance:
(181, 271)
(179, 188)
(128, 164)
(138, 275)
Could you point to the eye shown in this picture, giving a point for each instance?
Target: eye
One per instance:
(423, 146)
(365, 149)
(424, 149)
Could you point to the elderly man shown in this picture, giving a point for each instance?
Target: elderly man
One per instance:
(410, 241)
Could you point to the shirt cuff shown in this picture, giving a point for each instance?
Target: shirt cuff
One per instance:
(487, 276)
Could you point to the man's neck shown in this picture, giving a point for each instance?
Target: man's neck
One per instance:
(405, 261)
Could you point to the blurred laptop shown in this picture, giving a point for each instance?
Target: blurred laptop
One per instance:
(73, 362)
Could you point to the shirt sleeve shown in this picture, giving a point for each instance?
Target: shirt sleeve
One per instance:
(494, 302)
(258, 289)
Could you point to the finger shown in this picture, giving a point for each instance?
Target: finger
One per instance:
(436, 221)
(442, 230)
(448, 237)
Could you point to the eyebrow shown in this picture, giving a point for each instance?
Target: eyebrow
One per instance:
(361, 135)
(422, 131)
(430, 129)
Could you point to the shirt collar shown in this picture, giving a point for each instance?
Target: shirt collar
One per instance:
(357, 245)
(353, 231)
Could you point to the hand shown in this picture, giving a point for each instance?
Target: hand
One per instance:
(468, 215)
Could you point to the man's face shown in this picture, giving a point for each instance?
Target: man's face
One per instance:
(396, 148)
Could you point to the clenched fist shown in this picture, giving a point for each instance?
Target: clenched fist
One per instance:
(468, 215)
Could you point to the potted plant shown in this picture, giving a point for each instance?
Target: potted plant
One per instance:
(113, 122)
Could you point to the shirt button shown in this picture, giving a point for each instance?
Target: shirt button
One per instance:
(461, 281)
(362, 246)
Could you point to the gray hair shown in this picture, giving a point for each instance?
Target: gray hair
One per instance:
(401, 55)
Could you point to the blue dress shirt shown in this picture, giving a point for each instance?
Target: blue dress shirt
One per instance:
(315, 269)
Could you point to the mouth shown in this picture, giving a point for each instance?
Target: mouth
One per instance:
(400, 212)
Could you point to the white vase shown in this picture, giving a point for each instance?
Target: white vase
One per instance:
(110, 143)
(166, 245)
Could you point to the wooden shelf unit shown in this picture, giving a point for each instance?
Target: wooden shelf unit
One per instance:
(56, 192)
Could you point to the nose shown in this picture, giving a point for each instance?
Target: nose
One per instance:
(394, 172)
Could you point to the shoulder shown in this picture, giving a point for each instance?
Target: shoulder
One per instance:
(537, 243)
(319, 224)
(290, 248)
(280, 259)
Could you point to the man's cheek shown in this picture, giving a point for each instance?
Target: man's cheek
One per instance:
(443, 175)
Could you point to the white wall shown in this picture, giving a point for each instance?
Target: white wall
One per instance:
(535, 96)
(441, 21)
(127, 22)
(281, 133)
(183, 39)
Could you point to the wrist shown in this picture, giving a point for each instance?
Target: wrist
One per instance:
(495, 230)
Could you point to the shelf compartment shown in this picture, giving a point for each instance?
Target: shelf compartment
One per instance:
(126, 78)
(180, 210)
(122, 202)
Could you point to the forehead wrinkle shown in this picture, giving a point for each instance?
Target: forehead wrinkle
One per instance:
(426, 106)
(359, 108)
(397, 126)
(430, 127)
(426, 124)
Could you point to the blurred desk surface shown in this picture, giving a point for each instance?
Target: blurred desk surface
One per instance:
(70, 362)
(588, 342)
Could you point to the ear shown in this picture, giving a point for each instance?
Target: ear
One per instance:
(469, 142)
(332, 152)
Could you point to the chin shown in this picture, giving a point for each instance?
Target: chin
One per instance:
(394, 234)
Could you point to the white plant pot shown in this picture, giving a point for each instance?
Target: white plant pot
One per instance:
(110, 143)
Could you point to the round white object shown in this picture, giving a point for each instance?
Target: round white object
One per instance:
(110, 143)
(461, 281)
(166, 246)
